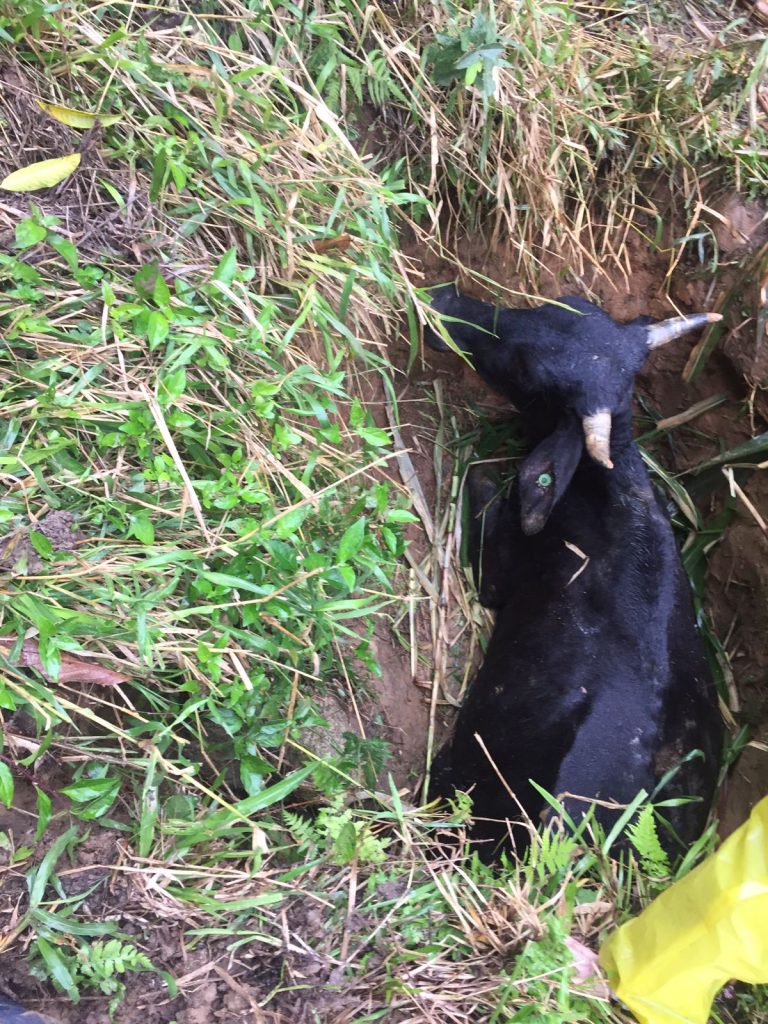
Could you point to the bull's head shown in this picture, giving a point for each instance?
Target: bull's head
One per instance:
(566, 365)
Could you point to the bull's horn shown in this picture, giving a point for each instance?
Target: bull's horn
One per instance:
(668, 330)
(597, 436)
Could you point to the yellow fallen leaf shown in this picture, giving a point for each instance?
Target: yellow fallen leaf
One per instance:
(44, 174)
(77, 118)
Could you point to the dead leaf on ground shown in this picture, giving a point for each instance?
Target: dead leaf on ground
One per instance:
(43, 174)
(586, 968)
(73, 670)
(77, 118)
(338, 242)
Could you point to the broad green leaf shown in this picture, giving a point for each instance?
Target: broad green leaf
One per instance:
(375, 436)
(265, 388)
(96, 808)
(44, 807)
(160, 293)
(50, 655)
(289, 522)
(347, 574)
(223, 579)
(157, 328)
(6, 697)
(227, 267)
(142, 528)
(61, 974)
(41, 544)
(88, 789)
(29, 233)
(181, 806)
(43, 174)
(6, 785)
(65, 249)
(351, 541)
(175, 382)
(252, 773)
(472, 72)
(401, 515)
(389, 538)
(77, 118)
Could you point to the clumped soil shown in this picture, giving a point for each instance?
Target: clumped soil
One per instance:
(18, 554)
(213, 984)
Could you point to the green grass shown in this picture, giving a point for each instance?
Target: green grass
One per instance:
(197, 401)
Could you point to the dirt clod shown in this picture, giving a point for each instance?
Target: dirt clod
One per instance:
(19, 555)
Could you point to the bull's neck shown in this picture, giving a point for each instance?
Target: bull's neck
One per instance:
(625, 454)
(632, 501)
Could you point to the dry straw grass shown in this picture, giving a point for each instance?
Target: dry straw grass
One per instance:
(597, 116)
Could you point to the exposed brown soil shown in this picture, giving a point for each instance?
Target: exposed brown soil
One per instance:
(18, 554)
(216, 985)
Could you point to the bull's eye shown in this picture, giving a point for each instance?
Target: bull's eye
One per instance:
(544, 480)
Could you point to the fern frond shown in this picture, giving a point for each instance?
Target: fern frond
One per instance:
(645, 838)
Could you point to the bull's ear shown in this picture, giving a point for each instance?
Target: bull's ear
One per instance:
(546, 473)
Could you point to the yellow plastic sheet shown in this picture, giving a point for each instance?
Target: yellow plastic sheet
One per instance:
(667, 964)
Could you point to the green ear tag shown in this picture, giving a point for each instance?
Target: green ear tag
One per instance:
(544, 480)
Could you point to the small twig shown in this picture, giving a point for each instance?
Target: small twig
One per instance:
(705, 405)
(242, 991)
(191, 494)
(496, 769)
(344, 950)
(736, 491)
(409, 475)
(413, 652)
(289, 718)
(27, 774)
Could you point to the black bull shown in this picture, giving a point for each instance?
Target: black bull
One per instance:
(595, 681)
